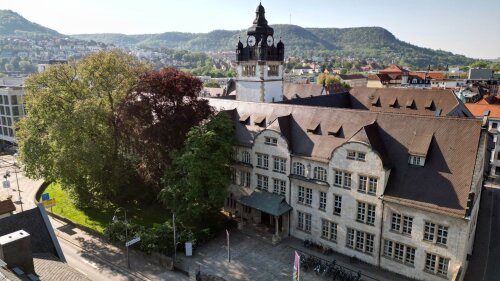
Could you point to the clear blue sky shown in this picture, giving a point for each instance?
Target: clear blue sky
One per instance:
(469, 27)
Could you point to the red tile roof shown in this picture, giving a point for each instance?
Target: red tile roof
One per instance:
(393, 69)
(429, 75)
(478, 109)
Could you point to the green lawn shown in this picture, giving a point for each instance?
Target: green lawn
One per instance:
(98, 218)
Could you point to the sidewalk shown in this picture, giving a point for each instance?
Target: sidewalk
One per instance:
(257, 260)
(143, 267)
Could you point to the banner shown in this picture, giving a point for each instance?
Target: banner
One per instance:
(296, 268)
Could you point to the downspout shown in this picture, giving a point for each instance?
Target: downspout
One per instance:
(290, 195)
(381, 231)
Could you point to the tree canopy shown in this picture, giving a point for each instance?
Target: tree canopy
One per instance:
(156, 117)
(196, 184)
(70, 132)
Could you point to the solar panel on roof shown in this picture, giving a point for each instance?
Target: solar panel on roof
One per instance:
(33, 277)
(18, 271)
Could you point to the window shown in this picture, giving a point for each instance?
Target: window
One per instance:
(271, 141)
(233, 175)
(366, 213)
(399, 252)
(6, 100)
(367, 185)
(273, 70)
(298, 169)
(442, 235)
(301, 195)
(351, 154)
(355, 155)
(430, 264)
(279, 187)
(13, 100)
(319, 174)
(322, 200)
(396, 222)
(7, 110)
(401, 224)
(494, 125)
(309, 195)
(279, 165)
(329, 230)
(360, 240)
(407, 225)
(361, 156)
(9, 121)
(245, 157)
(262, 161)
(245, 179)
(262, 182)
(337, 206)
(435, 233)
(416, 160)
(342, 179)
(304, 221)
(248, 70)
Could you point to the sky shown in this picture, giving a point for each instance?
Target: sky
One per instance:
(468, 27)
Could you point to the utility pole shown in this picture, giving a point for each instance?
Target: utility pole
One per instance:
(18, 190)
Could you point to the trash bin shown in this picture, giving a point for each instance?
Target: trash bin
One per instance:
(189, 249)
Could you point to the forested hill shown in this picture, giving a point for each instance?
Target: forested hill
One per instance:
(13, 24)
(360, 42)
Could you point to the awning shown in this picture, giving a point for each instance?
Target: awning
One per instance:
(266, 202)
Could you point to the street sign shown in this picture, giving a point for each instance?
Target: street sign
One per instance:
(6, 184)
(49, 203)
(133, 241)
(45, 197)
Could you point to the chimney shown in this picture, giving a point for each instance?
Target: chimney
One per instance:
(15, 251)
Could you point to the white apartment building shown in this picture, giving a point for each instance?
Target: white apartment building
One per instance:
(11, 107)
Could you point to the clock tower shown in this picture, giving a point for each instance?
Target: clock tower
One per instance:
(260, 63)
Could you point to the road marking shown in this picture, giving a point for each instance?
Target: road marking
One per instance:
(81, 271)
(93, 264)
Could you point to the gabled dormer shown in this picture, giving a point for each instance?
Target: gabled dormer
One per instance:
(418, 149)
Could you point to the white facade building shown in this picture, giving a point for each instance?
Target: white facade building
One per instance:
(11, 107)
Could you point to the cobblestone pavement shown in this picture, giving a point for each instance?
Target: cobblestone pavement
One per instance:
(256, 260)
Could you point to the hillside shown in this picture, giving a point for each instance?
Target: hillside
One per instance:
(361, 42)
(13, 24)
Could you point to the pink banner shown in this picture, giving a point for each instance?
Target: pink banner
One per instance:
(296, 268)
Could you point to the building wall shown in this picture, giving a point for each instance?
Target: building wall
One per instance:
(11, 110)
(374, 84)
(458, 235)
(261, 87)
(357, 82)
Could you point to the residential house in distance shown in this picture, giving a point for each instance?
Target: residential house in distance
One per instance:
(354, 80)
(488, 110)
(395, 188)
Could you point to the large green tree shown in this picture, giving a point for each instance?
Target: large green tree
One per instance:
(196, 184)
(70, 132)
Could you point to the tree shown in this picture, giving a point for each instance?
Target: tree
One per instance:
(196, 184)
(479, 64)
(69, 134)
(156, 117)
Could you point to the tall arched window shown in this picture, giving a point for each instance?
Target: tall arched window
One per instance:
(245, 157)
(298, 169)
(319, 174)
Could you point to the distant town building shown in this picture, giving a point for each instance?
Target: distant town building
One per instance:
(11, 107)
(354, 80)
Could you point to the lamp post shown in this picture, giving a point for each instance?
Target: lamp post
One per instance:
(7, 175)
(115, 219)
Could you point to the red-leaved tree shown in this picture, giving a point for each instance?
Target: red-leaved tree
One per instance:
(156, 116)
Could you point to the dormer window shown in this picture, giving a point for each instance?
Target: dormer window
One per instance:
(419, 148)
(245, 119)
(260, 121)
(314, 128)
(270, 141)
(417, 160)
(356, 155)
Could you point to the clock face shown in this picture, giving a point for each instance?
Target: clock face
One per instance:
(270, 40)
(251, 40)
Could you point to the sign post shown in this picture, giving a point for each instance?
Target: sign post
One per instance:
(133, 241)
(6, 184)
(228, 248)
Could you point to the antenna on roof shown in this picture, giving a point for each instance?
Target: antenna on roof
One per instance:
(290, 18)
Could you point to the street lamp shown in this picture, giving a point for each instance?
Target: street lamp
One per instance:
(7, 175)
(115, 219)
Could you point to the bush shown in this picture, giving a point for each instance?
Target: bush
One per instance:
(159, 238)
